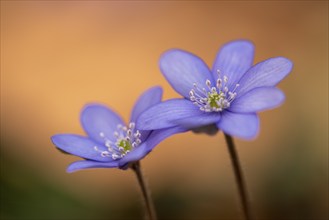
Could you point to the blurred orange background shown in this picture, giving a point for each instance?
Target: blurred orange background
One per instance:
(58, 56)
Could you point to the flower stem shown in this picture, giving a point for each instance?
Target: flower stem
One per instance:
(146, 193)
(238, 177)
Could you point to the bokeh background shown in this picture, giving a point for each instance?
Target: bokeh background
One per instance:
(58, 56)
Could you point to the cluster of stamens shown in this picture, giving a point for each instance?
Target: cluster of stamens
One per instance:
(127, 138)
(213, 98)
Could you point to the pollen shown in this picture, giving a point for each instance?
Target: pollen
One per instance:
(213, 98)
(127, 138)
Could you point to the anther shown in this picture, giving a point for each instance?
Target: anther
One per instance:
(131, 125)
(115, 156)
(219, 83)
(137, 134)
(208, 83)
(108, 143)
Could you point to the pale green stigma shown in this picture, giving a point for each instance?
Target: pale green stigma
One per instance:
(213, 99)
(126, 145)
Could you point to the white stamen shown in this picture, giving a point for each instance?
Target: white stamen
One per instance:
(131, 125)
(137, 134)
(108, 143)
(115, 156)
(105, 154)
(219, 83)
(213, 98)
(127, 138)
(208, 83)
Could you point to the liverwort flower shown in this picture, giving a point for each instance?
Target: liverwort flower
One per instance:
(228, 96)
(110, 142)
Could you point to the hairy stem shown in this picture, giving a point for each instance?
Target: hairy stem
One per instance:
(238, 177)
(145, 191)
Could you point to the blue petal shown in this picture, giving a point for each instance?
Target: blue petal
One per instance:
(87, 164)
(149, 98)
(165, 113)
(198, 121)
(159, 135)
(79, 146)
(233, 60)
(266, 73)
(182, 69)
(97, 119)
(258, 100)
(240, 125)
(154, 139)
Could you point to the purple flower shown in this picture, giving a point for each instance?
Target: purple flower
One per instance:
(228, 96)
(111, 143)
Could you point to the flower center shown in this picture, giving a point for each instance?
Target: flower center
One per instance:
(126, 140)
(126, 145)
(213, 98)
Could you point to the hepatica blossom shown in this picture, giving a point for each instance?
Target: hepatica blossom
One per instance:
(228, 96)
(110, 142)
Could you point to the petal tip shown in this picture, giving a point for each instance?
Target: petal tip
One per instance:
(53, 138)
(156, 88)
(91, 106)
(241, 43)
(288, 62)
(57, 139)
(71, 170)
(146, 100)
